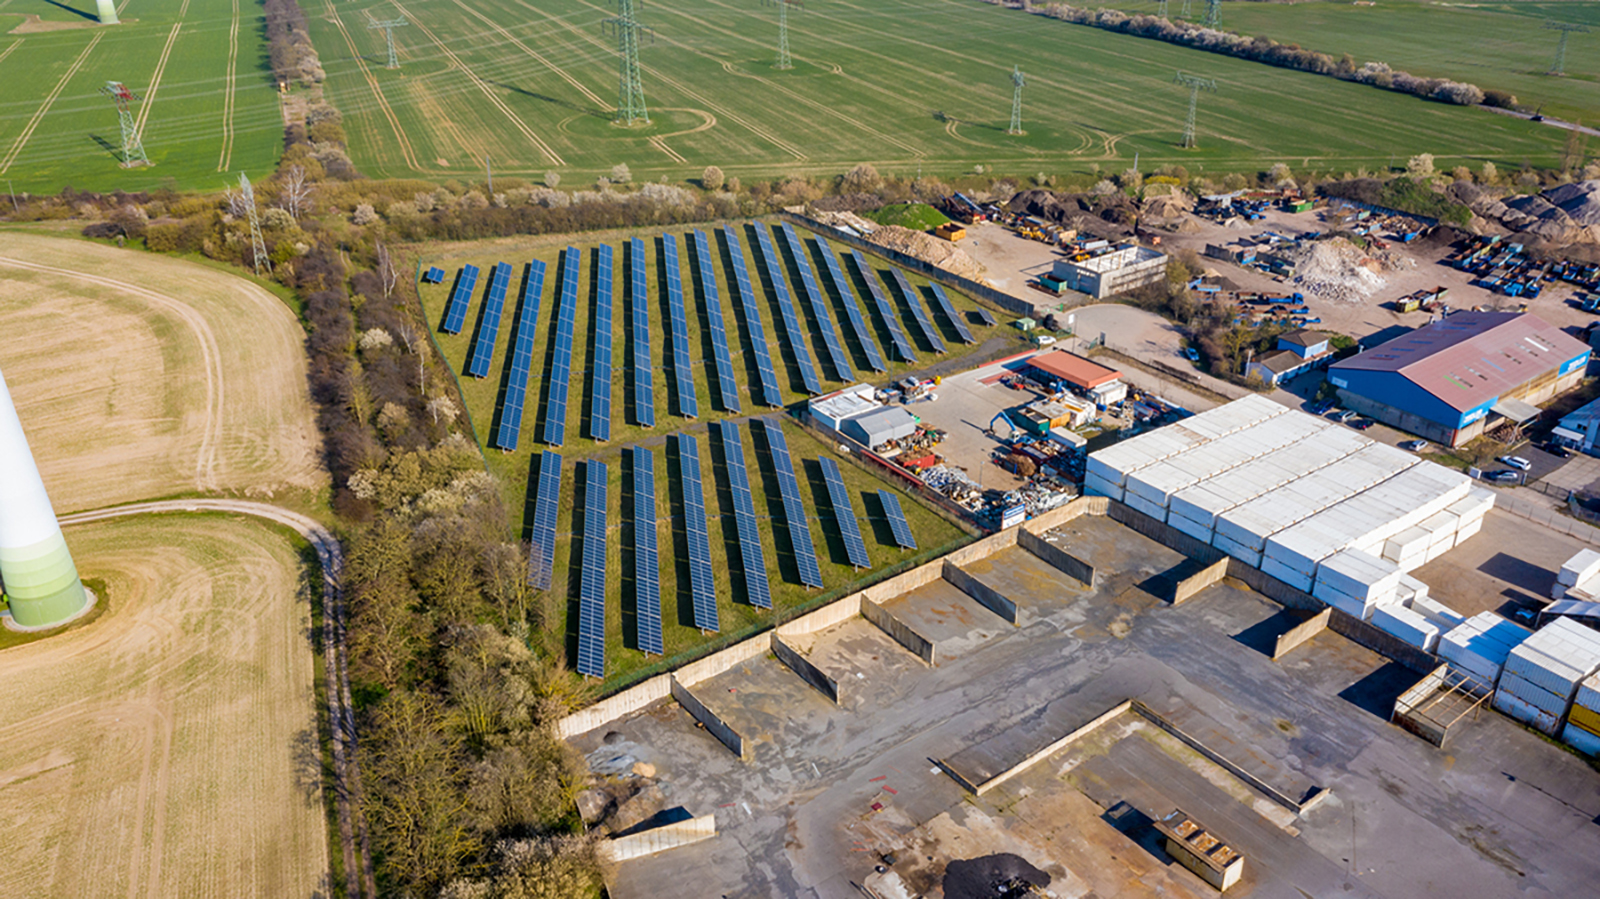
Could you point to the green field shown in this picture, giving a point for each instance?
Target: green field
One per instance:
(910, 86)
(1493, 45)
(210, 110)
(483, 396)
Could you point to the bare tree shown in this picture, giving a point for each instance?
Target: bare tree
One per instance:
(412, 338)
(296, 191)
(387, 273)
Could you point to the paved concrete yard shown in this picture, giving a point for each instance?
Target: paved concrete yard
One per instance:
(1503, 813)
(1509, 565)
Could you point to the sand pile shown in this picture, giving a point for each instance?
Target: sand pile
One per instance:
(1336, 270)
(928, 248)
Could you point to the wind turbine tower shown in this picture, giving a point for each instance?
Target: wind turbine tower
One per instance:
(36, 569)
(108, 11)
(1017, 83)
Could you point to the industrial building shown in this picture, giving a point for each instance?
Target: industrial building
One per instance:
(1101, 384)
(1297, 352)
(1580, 428)
(856, 413)
(1451, 380)
(1119, 271)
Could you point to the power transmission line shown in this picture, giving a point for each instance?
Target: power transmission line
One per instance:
(1195, 85)
(1213, 13)
(258, 245)
(1017, 82)
(388, 26)
(630, 91)
(784, 62)
(132, 145)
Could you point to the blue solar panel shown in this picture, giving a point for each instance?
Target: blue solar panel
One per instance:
(555, 419)
(688, 402)
(950, 313)
(700, 247)
(542, 549)
(646, 560)
(897, 520)
(600, 365)
(918, 310)
(455, 313)
(770, 393)
(886, 313)
(844, 514)
(509, 433)
(702, 585)
(852, 307)
(819, 306)
(592, 576)
(793, 336)
(489, 329)
(984, 316)
(757, 590)
(794, 510)
(434, 275)
(644, 396)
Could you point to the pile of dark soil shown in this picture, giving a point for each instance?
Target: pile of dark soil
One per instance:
(991, 876)
(1108, 216)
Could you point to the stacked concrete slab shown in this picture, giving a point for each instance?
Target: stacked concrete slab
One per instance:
(1542, 674)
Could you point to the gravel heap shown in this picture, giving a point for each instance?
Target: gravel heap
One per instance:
(928, 248)
(1580, 201)
(1336, 270)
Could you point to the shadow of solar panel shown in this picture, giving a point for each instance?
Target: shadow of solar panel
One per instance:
(886, 313)
(770, 394)
(455, 312)
(542, 546)
(434, 275)
(688, 402)
(793, 336)
(919, 311)
(722, 360)
(819, 306)
(757, 590)
(646, 558)
(592, 576)
(844, 514)
(984, 316)
(950, 313)
(897, 520)
(509, 434)
(794, 511)
(644, 396)
(702, 584)
(852, 307)
(555, 422)
(600, 365)
(489, 330)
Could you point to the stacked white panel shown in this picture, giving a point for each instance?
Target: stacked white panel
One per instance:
(1108, 469)
(1441, 615)
(1356, 582)
(1541, 675)
(1478, 647)
(1407, 625)
(1583, 720)
(1470, 513)
(1579, 569)
(1251, 523)
(1158, 482)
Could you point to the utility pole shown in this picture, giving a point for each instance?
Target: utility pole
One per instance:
(258, 245)
(630, 90)
(388, 26)
(488, 173)
(1161, 8)
(132, 146)
(1559, 67)
(784, 62)
(1195, 85)
(1017, 82)
(1213, 13)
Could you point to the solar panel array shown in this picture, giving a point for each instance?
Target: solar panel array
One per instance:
(600, 365)
(702, 586)
(555, 420)
(819, 306)
(844, 514)
(792, 335)
(984, 316)
(852, 308)
(886, 313)
(688, 404)
(752, 318)
(757, 591)
(509, 433)
(950, 313)
(455, 313)
(489, 330)
(542, 551)
(918, 310)
(644, 397)
(794, 511)
(897, 520)
(592, 576)
(700, 249)
(646, 561)
(434, 275)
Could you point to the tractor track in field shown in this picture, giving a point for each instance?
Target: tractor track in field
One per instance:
(7, 51)
(406, 150)
(155, 77)
(225, 155)
(38, 115)
(561, 73)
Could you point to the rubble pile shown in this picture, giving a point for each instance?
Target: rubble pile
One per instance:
(1336, 270)
(845, 220)
(954, 483)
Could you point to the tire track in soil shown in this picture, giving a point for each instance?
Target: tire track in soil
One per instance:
(225, 155)
(33, 123)
(155, 78)
(7, 51)
(404, 142)
(560, 72)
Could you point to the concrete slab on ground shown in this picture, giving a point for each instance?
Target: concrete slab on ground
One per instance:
(1508, 565)
(954, 621)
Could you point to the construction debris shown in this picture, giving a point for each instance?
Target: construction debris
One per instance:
(1336, 270)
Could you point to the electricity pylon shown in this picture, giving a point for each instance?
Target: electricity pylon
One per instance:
(258, 245)
(1195, 84)
(1161, 8)
(1185, 12)
(388, 26)
(132, 145)
(784, 62)
(630, 91)
(1213, 13)
(1559, 67)
(1016, 101)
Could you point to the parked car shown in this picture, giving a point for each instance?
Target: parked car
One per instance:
(1516, 462)
(1192, 354)
(1361, 424)
(1557, 450)
(1320, 407)
(1502, 476)
(1043, 339)
(1346, 415)
(1415, 446)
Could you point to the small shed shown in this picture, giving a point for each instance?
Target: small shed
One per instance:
(881, 425)
(1025, 324)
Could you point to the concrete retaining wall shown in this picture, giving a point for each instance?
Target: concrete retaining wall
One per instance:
(1035, 757)
(821, 619)
(657, 839)
(613, 707)
(1384, 644)
(722, 660)
(992, 599)
(1291, 639)
(802, 666)
(898, 631)
(1083, 505)
(1257, 783)
(1068, 564)
(718, 728)
(1194, 584)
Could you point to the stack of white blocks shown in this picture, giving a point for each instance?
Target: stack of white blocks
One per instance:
(1583, 721)
(1478, 647)
(1542, 674)
(1577, 578)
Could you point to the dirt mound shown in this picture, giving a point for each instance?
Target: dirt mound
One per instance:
(1336, 270)
(928, 248)
(1108, 215)
(1580, 201)
(1172, 205)
(845, 220)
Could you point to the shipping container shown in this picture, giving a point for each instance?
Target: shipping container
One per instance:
(1531, 715)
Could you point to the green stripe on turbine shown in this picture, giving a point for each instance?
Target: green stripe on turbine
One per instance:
(41, 583)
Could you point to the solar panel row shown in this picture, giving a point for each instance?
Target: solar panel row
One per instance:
(510, 431)
(592, 576)
(455, 313)
(819, 306)
(897, 520)
(844, 514)
(543, 545)
(984, 316)
(852, 307)
(600, 365)
(950, 313)
(757, 591)
(489, 329)
(700, 248)
(646, 560)
(752, 319)
(702, 585)
(918, 310)
(644, 396)
(886, 313)
(555, 421)
(792, 334)
(794, 511)
(688, 403)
